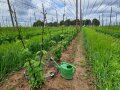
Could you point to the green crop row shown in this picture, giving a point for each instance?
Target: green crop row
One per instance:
(13, 56)
(104, 57)
(113, 31)
(7, 35)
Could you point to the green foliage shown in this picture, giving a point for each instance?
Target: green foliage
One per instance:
(42, 52)
(95, 22)
(38, 23)
(87, 22)
(52, 43)
(67, 22)
(62, 36)
(61, 23)
(104, 57)
(113, 31)
(10, 36)
(13, 56)
(35, 73)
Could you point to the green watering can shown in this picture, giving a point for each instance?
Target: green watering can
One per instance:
(66, 70)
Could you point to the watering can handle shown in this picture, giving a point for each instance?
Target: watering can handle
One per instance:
(54, 62)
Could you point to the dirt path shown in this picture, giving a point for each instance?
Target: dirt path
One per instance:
(82, 80)
(74, 54)
(16, 81)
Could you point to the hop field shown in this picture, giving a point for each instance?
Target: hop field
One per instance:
(102, 45)
(12, 54)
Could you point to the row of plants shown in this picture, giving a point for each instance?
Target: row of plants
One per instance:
(13, 56)
(104, 57)
(7, 35)
(35, 67)
(113, 31)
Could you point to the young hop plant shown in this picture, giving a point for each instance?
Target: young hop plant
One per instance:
(35, 70)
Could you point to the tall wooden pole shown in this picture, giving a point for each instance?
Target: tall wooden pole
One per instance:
(17, 27)
(3, 22)
(11, 12)
(64, 13)
(102, 20)
(7, 22)
(35, 16)
(57, 17)
(80, 15)
(77, 15)
(44, 14)
(106, 21)
(110, 17)
(116, 20)
(30, 21)
(52, 22)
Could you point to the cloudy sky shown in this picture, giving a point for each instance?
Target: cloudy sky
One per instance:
(31, 10)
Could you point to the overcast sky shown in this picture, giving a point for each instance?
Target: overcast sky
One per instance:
(27, 10)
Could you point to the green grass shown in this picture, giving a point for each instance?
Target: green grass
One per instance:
(104, 57)
(113, 31)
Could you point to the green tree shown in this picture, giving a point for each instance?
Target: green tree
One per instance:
(50, 24)
(61, 23)
(67, 22)
(73, 22)
(87, 22)
(95, 22)
(38, 23)
(55, 24)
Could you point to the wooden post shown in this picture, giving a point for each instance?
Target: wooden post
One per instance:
(11, 12)
(110, 17)
(35, 16)
(3, 22)
(64, 13)
(80, 15)
(77, 15)
(57, 17)
(116, 20)
(6, 22)
(106, 21)
(102, 20)
(52, 22)
(99, 20)
(30, 21)
(44, 14)
(17, 27)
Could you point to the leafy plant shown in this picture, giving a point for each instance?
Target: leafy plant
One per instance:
(35, 73)
(52, 42)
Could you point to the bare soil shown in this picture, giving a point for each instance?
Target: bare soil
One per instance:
(16, 81)
(82, 79)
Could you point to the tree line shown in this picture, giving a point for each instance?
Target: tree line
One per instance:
(68, 22)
